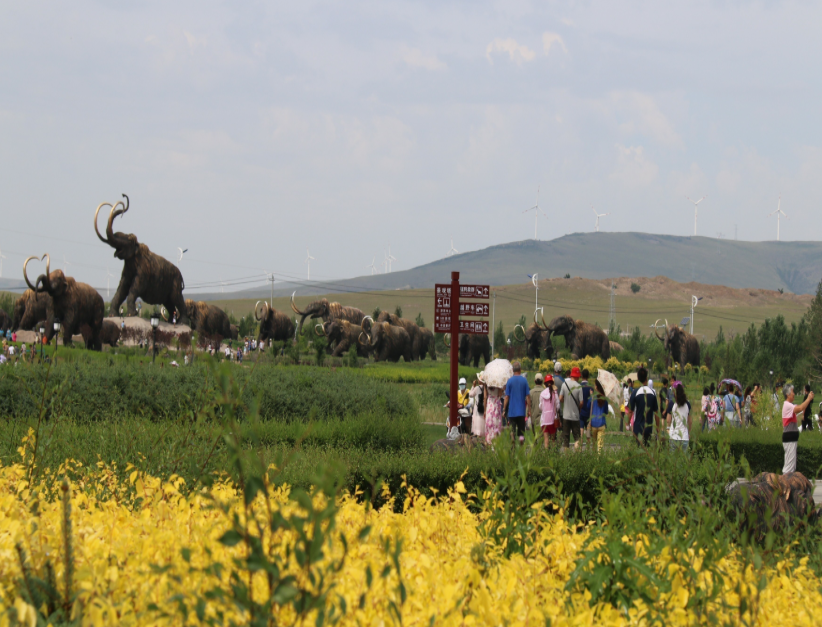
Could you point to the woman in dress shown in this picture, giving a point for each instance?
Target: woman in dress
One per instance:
(478, 393)
(493, 414)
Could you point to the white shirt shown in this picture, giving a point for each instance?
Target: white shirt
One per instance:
(626, 395)
(679, 423)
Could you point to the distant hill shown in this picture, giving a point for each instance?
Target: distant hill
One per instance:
(12, 285)
(792, 266)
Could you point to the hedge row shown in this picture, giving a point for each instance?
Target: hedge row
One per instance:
(763, 449)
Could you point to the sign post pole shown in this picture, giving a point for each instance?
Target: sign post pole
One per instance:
(453, 418)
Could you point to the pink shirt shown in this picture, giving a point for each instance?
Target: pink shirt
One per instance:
(549, 407)
(788, 414)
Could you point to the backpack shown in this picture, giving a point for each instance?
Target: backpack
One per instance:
(481, 402)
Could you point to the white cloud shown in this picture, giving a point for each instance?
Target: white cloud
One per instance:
(414, 57)
(633, 169)
(567, 21)
(550, 39)
(642, 115)
(194, 41)
(519, 54)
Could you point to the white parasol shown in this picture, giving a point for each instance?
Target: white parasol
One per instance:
(497, 373)
(610, 384)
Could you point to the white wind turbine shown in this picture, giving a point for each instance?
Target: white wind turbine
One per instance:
(453, 250)
(536, 211)
(696, 210)
(2, 256)
(109, 275)
(182, 252)
(308, 260)
(778, 213)
(390, 258)
(372, 266)
(599, 215)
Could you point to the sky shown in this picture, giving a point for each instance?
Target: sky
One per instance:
(252, 132)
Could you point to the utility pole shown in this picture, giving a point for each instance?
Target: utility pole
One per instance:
(694, 303)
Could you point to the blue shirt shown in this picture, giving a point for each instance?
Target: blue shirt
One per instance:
(730, 402)
(598, 414)
(585, 412)
(517, 391)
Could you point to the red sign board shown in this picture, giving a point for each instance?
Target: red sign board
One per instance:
(474, 291)
(474, 309)
(442, 289)
(474, 326)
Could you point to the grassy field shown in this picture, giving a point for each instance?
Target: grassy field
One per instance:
(589, 300)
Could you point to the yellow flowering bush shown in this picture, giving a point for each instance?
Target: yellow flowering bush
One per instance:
(142, 550)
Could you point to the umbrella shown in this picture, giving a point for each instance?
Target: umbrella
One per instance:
(630, 377)
(610, 385)
(497, 373)
(732, 382)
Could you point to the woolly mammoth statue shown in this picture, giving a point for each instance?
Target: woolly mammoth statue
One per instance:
(234, 331)
(327, 311)
(145, 275)
(207, 320)
(426, 343)
(536, 338)
(616, 347)
(275, 326)
(109, 335)
(472, 347)
(73, 303)
(679, 344)
(583, 339)
(411, 327)
(5, 321)
(30, 308)
(342, 334)
(387, 341)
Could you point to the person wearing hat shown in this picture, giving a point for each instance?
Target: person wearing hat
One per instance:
(517, 401)
(570, 399)
(463, 399)
(478, 395)
(549, 412)
(558, 378)
(535, 410)
(645, 406)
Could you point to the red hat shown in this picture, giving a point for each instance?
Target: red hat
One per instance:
(575, 373)
(549, 379)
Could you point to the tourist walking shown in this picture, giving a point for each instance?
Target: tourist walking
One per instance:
(493, 414)
(517, 402)
(585, 410)
(558, 378)
(790, 430)
(629, 413)
(549, 412)
(570, 398)
(732, 410)
(678, 419)
(747, 406)
(645, 407)
(599, 415)
(535, 410)
(807, 422)
(705, 406)
(477, 395)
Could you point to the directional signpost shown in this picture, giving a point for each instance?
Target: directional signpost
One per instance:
(448, 307)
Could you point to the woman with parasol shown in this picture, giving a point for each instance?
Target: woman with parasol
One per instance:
(495, 376)
(733, 413)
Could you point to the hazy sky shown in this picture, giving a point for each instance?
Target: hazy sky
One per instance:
(248, 132)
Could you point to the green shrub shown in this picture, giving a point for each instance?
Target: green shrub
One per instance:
(762, 449)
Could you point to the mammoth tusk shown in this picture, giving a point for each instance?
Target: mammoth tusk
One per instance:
(25, 274)
(256, 310)
(545, 324)
(321, 328)
(370, 321)
(359, 338)
(542, 313)
(113, 214)
(96, 230)
(519, 326)
(666, 326)
(293, 306)
(164, 312)
(656, 331)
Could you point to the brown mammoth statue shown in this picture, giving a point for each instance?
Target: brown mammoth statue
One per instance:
(679, 344)
(73, 304)
(426, 344)
(327, 311)
(581, 338)
(275, 326)
(342, 334)
(207, 320)
(411, 327)
(386, 341)
(145, 274)
(5, 321)
(234, 331)
(29, 309)
(472, 347)
(110, 334)
(536, 338)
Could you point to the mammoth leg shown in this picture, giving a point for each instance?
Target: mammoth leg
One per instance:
(179, 303)
(119, 297)
(341, 348)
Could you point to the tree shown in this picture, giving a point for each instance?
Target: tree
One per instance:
(398, 311)
(635, 287)
(813, 320)
(499, 337)
(420, 321)
(376, 313)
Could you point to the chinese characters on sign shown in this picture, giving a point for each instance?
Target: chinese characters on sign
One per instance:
(442, 308)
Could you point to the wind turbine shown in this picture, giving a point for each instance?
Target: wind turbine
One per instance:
(536, 211)
(2, 256)
(182, 252)
(373, 267)
(453, 250)
(696, 210)
(108, 282)
(778, 213)
(390, 258)
(66, 264)
(308, 260)
(599, 215)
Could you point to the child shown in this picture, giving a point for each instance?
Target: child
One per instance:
(599, 412)
(549, 403)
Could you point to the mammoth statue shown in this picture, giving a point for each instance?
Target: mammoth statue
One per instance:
(342, 334)
(145, 275)
(30, 308)
(73, 303)
(387, 341)
(426, 343)
(616, 347)
(327, 311)
(536, 338)
(207, 320)
(110, 334)
(583, 339)
(275, 326)
(679, 344)
(411, 327)
(234, 331)
(472, 347)
(5, 321)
